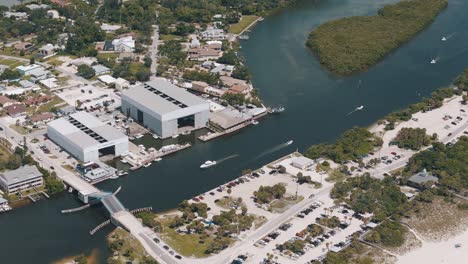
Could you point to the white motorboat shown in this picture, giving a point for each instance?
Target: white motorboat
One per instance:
(289, 142)
(147, 165)
(155, 136)
(254, 122)
(433, 61)
(175, 136)
(185, 133)
(277, 110)
(113, 177)
(138, 136)
(444, 38)
(359, 108)
(158, 159)
(207, 164)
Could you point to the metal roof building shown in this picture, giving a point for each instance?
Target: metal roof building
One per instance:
(165, 108)
(86, 137)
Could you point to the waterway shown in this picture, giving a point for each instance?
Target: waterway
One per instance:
(286, 73)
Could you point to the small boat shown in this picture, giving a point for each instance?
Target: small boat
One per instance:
(261, 19)
(254, 122)
(155, 136)
(175, 136)
(115, 176)
(158, 159)
(359, 108)
(138, 136)
(123, 161)
(185, 133)
(244, 37)
(289, 142)
(433, 61)
(444, 38)
(207, 164)
(147, 165)
(276, 110)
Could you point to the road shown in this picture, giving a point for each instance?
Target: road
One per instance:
(154, 48)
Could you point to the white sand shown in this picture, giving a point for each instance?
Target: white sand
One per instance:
(439, 252)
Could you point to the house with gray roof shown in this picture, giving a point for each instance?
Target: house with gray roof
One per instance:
(420, 179)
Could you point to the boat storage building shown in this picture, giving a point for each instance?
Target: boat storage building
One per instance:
(86, 137)
(164, 108)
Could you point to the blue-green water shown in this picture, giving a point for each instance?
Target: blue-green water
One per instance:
(286, 73)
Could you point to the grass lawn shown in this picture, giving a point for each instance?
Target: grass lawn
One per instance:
(281, 205)
(186, 245)
(10, 63)
(107, 56)
(168, 37)
(4, 154)
(20, 129)
(131, 250)
(48, 106)
(244, 22)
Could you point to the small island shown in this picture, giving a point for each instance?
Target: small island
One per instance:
(354, 44)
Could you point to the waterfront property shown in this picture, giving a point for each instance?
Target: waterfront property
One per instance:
(165, 108)
(86, 137)
(21, 179)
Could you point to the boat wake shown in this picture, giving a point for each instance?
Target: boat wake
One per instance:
(434, 61)
(448, 37)
(226, 158)
(359, 108)
(273, 149)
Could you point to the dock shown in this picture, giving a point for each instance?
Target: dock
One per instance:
(153, 155)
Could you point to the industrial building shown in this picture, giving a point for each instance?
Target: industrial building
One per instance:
(86, 137)
(164, 108)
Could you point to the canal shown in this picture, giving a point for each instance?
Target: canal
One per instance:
(287, 74)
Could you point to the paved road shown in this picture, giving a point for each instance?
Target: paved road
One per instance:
(154, 49)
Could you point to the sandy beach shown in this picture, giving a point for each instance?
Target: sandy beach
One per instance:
(439, 252)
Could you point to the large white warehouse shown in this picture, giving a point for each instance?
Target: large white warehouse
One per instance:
(164, 108)
(86, 137)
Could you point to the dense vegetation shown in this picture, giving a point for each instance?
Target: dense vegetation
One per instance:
(353, 44)
(462, 80)
(266, 194)
(353, 144)
(449, 163)
(412, 138)
(388, 233)
(365, 194)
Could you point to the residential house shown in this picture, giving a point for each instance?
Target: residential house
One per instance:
(204, 53)
(16, 15)
(125, 44)
(101, 69)
(24, 178)
(15, 110)
(26, 69)
(35, 6)
(199, 86)
(42, 118)
(24, 46)
(213, 33)
(121, 83)
(47, 50)
(5, 101)
(239, 89)
(195, 43)
(38, 100)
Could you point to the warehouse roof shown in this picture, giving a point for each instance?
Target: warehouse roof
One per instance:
(162, 97)
(85, 130)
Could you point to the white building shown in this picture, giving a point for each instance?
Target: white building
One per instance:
(27, 69)
(302, 162)
(47, 50)
(165, 108)
(125, 44)
(213, 33)
(86, 137)
(23, 178)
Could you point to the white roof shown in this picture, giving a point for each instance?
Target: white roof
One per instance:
(48, 47)
(98, 131)
(161, 96)
(100, 68)
(49, 83)
(107, 79)
(26, 68)
(302, 161)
